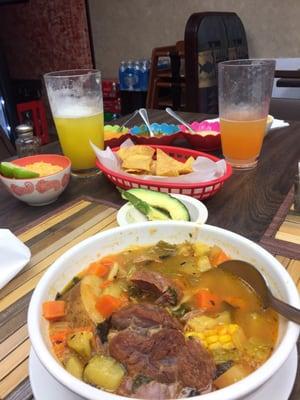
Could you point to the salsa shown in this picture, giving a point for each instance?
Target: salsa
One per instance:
(160, 322)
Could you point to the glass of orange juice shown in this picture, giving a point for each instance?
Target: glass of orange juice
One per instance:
(245, 89)
(76, 103)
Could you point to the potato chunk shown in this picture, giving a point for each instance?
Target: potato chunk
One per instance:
(104, 372)
(81, 343)
(74, 366)
(232, 375)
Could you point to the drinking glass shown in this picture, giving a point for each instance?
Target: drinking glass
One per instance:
(76, 103)
(245, 89)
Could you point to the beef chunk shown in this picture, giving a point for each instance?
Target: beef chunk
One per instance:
(156, 390)
(143, 387)
(153, 356)
(196, 366)
(164, 356)
(143, 316)
(158, 285)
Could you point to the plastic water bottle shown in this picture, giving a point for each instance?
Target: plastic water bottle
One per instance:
(129, 76)
(122, 71)
(144, 75)
(138, 76)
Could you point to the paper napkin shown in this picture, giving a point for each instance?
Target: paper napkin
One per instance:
(278, 123)
(14, 255)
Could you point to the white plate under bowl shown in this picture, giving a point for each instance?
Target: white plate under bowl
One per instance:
(128, 214)
(45, 387)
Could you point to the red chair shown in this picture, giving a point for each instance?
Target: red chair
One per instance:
(36, 110)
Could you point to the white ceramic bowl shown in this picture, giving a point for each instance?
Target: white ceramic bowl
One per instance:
(115, 240)
(43, 190)
(128, 214)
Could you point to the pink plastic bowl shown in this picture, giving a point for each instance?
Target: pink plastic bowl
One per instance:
(206, 137)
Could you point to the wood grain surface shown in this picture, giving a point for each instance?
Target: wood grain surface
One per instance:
(47, 240)
(247, 204)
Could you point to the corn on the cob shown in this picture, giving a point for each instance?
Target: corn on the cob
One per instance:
(220, 337)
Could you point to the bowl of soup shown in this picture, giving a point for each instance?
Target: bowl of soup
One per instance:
(143, 311)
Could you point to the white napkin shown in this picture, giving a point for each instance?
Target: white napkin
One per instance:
(14, 255)
(278, 123)
(204, 169)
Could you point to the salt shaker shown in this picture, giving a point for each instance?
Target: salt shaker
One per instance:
(26, 143)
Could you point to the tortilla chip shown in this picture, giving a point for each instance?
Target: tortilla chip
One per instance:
(187, 167)
(137, 158)
(166, 165)
(126, 152)
(153, 167)
(136, 171)
(137, 162)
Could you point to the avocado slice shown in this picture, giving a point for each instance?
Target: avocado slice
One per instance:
(164, 202)
(11, 170)
(151, 213)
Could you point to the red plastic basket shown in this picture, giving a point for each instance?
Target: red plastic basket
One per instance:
(201, 190)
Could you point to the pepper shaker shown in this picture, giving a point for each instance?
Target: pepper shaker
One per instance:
(26, 143)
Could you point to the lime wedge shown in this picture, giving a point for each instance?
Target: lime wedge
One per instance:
(7, 169)
(11, 170)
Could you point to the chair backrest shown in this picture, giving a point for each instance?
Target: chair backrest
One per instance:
(210, 37)
(165, 86)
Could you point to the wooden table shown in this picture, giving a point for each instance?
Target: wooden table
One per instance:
(246, 204)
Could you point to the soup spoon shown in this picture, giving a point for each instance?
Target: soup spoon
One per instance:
(182, 121)
(254, 279)
(143, 113)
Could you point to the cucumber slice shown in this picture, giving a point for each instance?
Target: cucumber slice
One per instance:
(11, 170)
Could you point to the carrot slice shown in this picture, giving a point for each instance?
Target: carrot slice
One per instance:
(97, 268)
(53, 310)
(218, 256)
(106, 283)
(60, 336)
(107, 304)
(108, 260)
(59, 350)
(207, 301)
(236, 302)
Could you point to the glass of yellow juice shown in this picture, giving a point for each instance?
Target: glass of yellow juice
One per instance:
(76, 103)
(245, 90)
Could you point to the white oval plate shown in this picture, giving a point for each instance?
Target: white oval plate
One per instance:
(128, 214)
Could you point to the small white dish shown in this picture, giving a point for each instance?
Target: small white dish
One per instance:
(270, 120)
(14, 255)
(279, 387)
(128, 214)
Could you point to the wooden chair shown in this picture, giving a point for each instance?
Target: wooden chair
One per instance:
(166, 85)
(210, 37)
